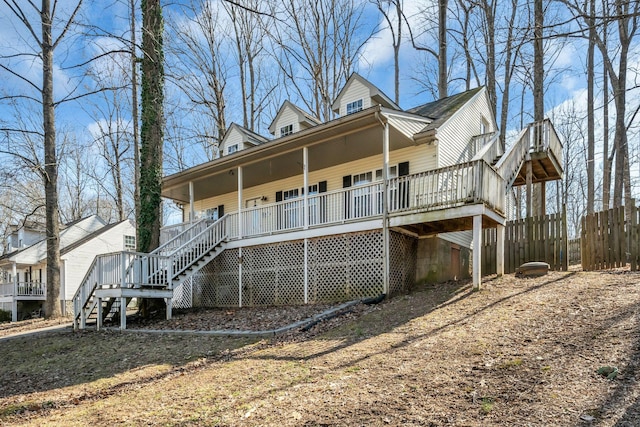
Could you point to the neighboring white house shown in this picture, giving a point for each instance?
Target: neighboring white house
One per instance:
(23, 272)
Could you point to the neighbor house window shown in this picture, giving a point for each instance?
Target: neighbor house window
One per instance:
(354, 107)
(129, 243)
(232, 149)
(286, 130)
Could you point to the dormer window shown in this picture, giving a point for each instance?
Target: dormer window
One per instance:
(232, 149)
(354, 107)
(286, 130)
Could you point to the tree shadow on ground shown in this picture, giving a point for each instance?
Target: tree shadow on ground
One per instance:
(61, 359)
(429, 299)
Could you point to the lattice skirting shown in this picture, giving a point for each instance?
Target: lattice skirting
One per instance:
(340, 268)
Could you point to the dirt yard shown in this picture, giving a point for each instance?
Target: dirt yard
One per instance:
(521, 352)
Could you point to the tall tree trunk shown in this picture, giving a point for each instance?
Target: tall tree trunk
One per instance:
(52, 305)
(538, 94)
(442, 48)
(134, 110)
(152, 130)
(591, 111)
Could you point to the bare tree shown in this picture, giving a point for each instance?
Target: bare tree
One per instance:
(250, 37)
(45, 43)
(198, 65)
(625, 16)
(392, 11)
(319, 44)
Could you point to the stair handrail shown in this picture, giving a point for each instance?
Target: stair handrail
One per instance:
(89, 283)
(509, 164)
(491, 150)
(198, 246)
(183, 237)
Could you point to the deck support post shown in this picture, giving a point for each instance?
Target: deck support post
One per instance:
(500, 250)
(99, 314)
(14, 301)
(385, 208)
(240, 184)
(123, 313)
(306, 271)
(169, 304)
(477, 252)
(529, 183)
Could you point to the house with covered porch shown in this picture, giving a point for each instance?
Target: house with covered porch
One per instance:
(366, 204)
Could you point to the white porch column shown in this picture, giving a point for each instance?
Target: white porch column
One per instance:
(14, 301)
(385, 208)
(240, 202)
(305, 189)
(477, 252)
(240, 184)
(500, 250)
(192, 212)
(305, 212)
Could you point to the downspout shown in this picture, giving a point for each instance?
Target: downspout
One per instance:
(385, 202)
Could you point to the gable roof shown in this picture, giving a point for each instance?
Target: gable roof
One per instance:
(303, 116)
(374, 93)
(250, 136)
(441, 110)
(90, 237)
(37, 251)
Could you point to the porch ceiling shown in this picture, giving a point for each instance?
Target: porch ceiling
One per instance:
(348, 139)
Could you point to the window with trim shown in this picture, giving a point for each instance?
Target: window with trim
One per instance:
(354, 107)
(393, 172)
(232, 149)
(286, 130)
(129, 243)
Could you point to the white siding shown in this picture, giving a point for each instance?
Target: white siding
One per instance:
(288, 117)
(462, 238)
(421, 158)
(455, 134)
(355, 91)
(78, 261)
(234, 136)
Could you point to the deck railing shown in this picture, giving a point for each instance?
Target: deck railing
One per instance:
(178, 235)
(467, 183)
(120, 270)
(538, 137)
(23, 289)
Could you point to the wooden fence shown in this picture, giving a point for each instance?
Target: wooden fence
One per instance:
(608, 241)
(574, 251)
(541, 238)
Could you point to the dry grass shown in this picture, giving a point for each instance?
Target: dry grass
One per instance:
(519, 352)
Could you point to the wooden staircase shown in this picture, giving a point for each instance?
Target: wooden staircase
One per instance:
(114, 279)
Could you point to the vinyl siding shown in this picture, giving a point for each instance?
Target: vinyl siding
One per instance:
(233, 137)
(288, 117)
(462, 238)
(79, 259)
(421, 158)
(456, 133)
(354, 92)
